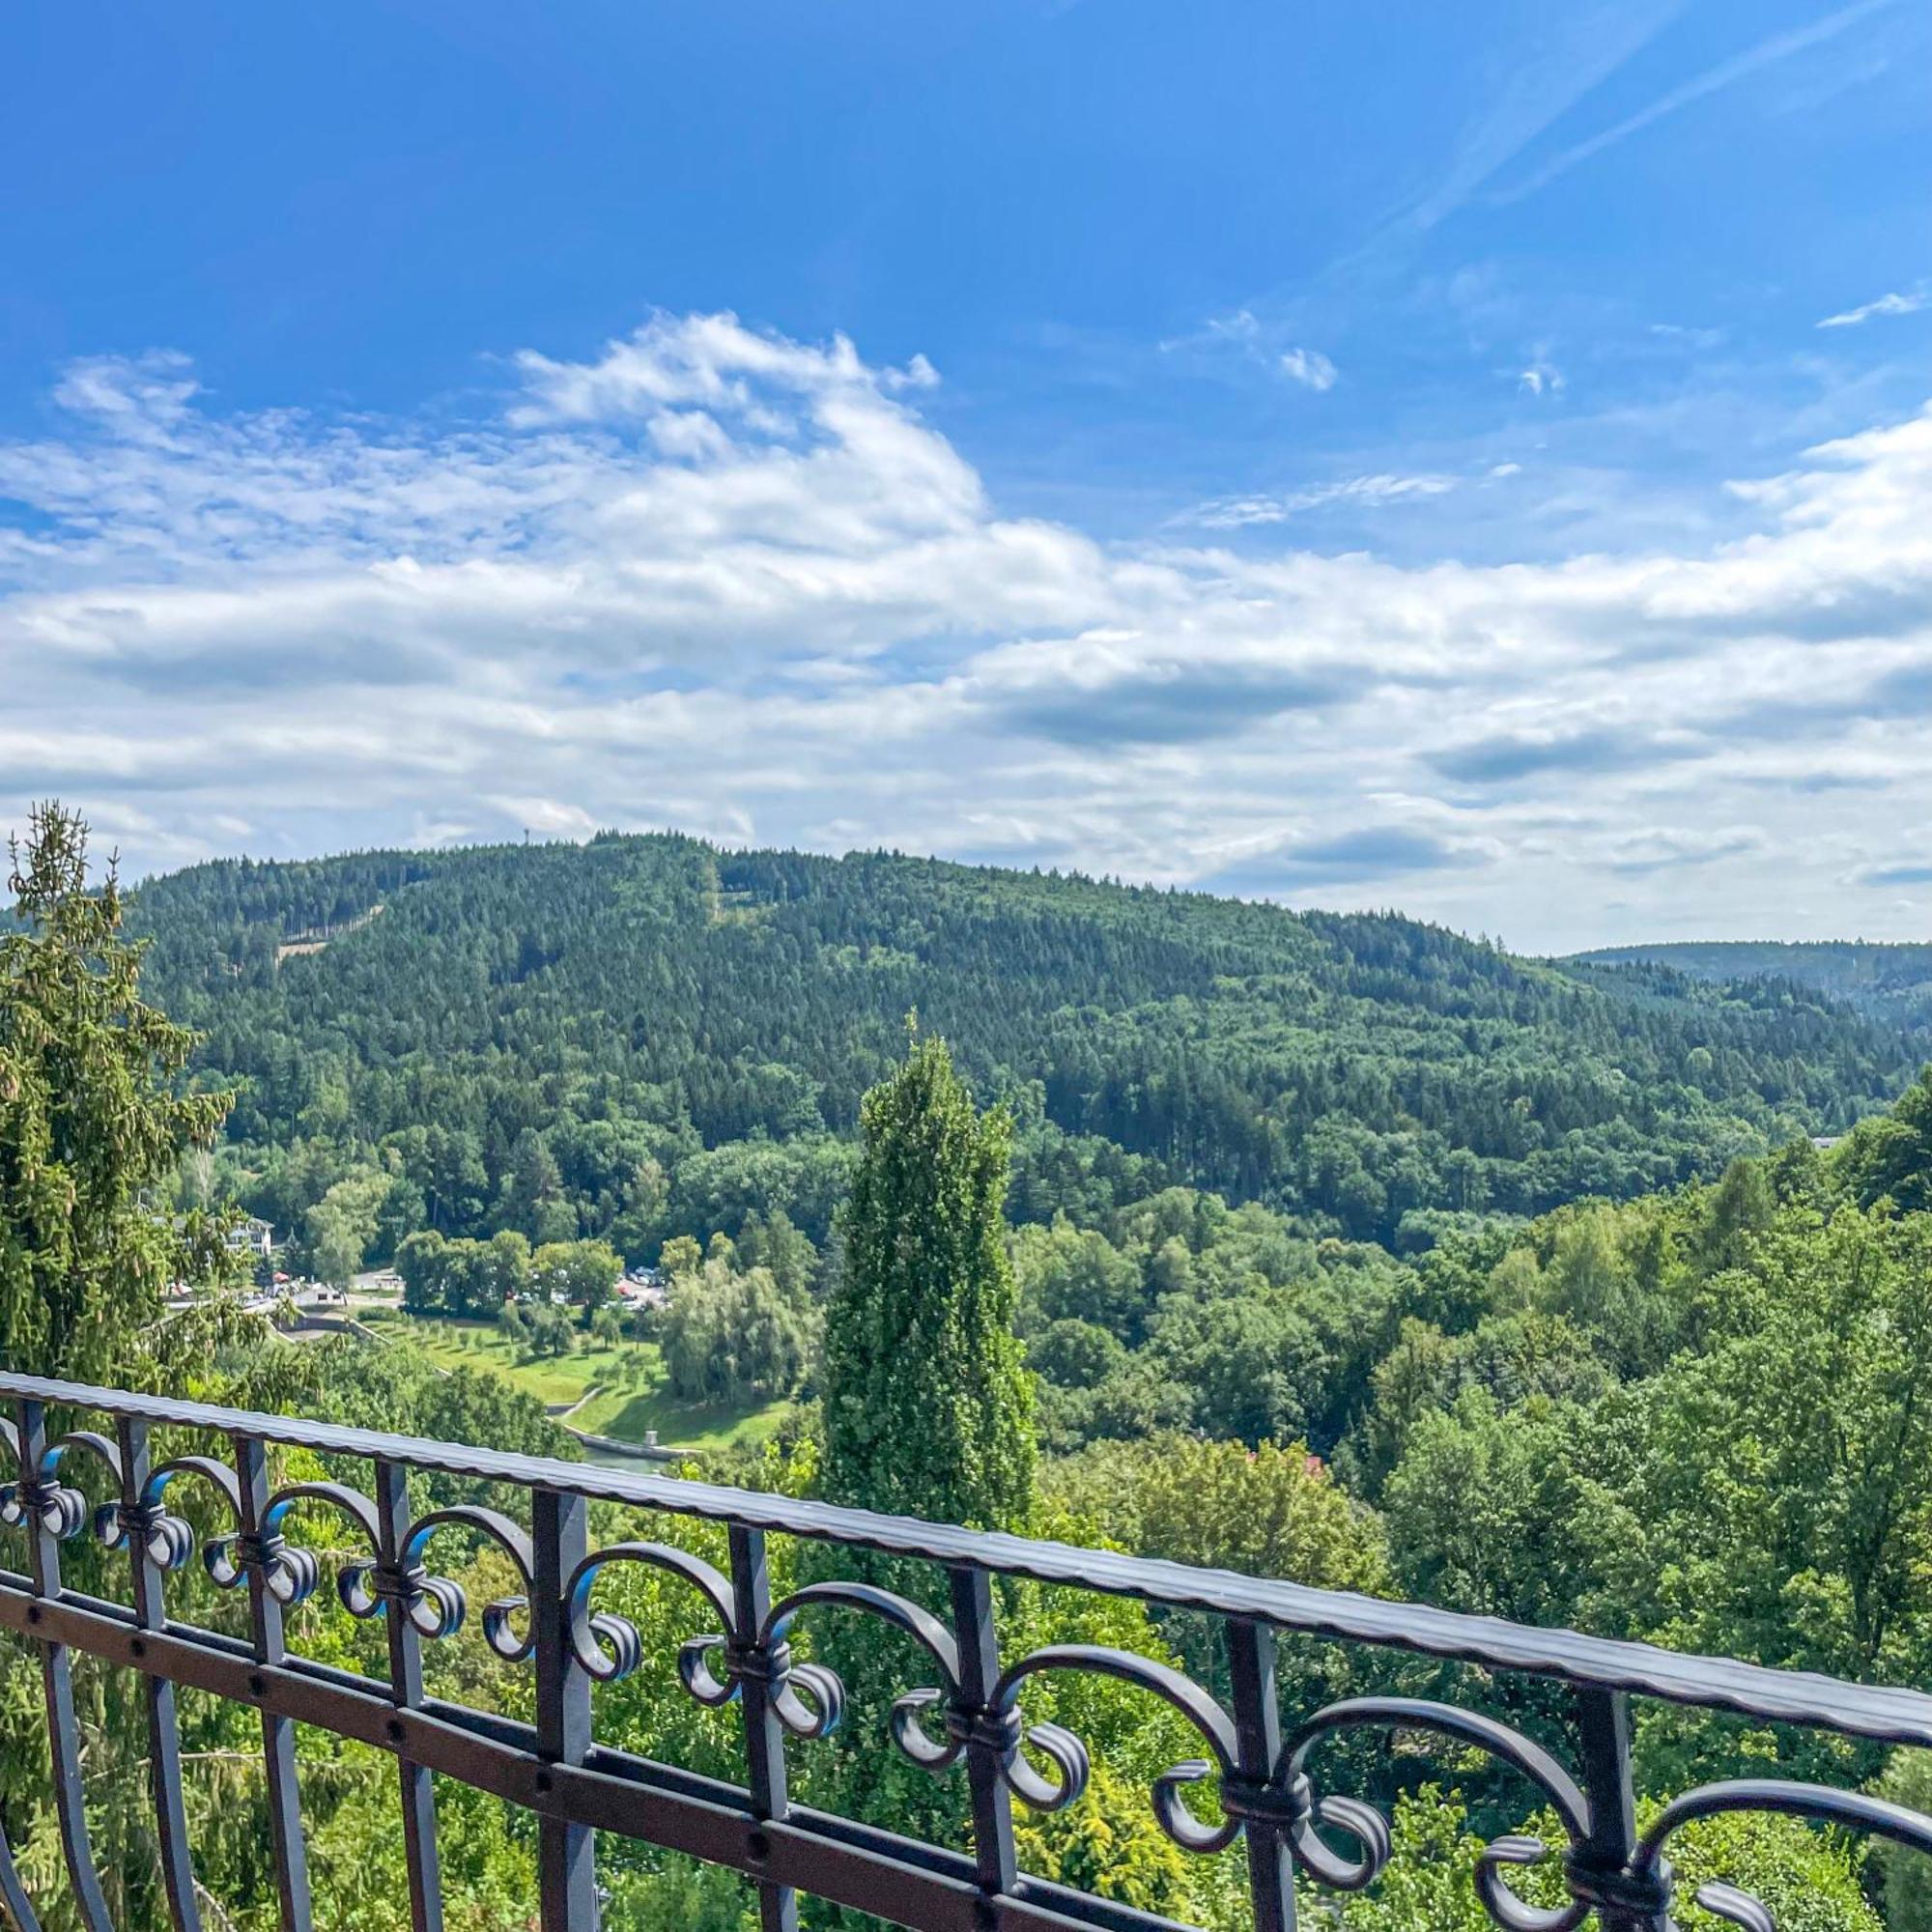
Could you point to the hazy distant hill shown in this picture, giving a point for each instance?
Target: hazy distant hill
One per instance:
(1889, 981)
(551, 1018)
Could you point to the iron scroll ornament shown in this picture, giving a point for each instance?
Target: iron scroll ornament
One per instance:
(1819, 1804)
(437, 1607)
(290, 1573)
(40, 1497)
(168, 1539)
(1302, 1812)
(998, 1726)
(608, 1646)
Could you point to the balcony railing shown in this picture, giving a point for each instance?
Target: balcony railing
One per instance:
(103, 1477)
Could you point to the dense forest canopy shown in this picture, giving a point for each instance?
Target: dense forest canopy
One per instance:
(646, 1036)
(1890, 981)
(1534, 1384)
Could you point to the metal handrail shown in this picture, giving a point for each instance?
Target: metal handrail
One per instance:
(555, 1768)
(1888, 1713)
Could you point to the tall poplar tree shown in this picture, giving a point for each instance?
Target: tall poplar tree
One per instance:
(92, 1124)
(929, 1407)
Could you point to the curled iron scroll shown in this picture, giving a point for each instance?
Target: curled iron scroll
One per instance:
(168, 1539)
(57, 1508)
(1370, 1830)
(608, 1646)
(1853, 1811)
(1069, 1758)
(289, 1571)
(821, 1709)
(437, 1605)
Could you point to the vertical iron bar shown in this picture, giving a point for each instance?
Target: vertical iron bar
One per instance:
(278, 1733)
(57, 1680)
(1258, 1743)
(1602, 1722)
(996, 1864)
(405, 1684)
(164, 1773)
(566, 1867)
(764, 1734)
(13, 1901)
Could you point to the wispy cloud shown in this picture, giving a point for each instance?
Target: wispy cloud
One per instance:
(1308, 367)
(1243, 334)
(1229, 513)
(1578, 49)
(718, 578)
(1713, 80)
(1668, 848)
(1895, 304)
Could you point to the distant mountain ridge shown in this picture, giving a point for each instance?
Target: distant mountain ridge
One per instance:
(553, 1019)
(1887, 980)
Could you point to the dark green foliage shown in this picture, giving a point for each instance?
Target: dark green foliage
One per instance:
(732, 1335)
(1890, 1157)
(927, 1408)
(1892, 981)
(1183, 1312)
(647, 1037)
(92, 1126)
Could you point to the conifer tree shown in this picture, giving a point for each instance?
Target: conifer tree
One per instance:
(91, 1123)
(929, 1407)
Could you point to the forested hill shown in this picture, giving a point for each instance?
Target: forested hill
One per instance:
(1893, 983)
(643, 1036)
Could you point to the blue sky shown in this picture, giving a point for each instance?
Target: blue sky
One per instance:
(1471, 458)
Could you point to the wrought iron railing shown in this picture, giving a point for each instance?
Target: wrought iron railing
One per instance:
(972, 1720)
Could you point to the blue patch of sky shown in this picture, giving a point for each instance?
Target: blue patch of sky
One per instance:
(1555, 237)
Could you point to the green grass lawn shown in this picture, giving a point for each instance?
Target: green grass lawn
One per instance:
(633, 1397)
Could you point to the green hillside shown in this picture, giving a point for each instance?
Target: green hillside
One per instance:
(648, 1035)
(1893, 983)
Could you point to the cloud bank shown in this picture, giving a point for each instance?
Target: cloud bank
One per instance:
(718, 579)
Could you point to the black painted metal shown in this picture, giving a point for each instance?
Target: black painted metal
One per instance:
(1860, 1710)
(137, 1524)
(399, 1583)
(976, 1717)
(1257, 1779)
(50, 1509)
(566, 1877)
(1258, 1752)
(264, 1563)
(764, 1728)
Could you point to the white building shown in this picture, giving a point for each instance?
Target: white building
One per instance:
(253, 1237)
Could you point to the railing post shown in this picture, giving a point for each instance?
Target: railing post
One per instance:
(1599, 1870)
(405, 1684)
(764, 1734)
(979, 1641)
(151, 1614)
(1257, 1744)
(566, 1867)
(57, 1681)
(278, 1733)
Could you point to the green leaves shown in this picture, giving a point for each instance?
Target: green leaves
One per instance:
(93, 1124)
(928, 1409)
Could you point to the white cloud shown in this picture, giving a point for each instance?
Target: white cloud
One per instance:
(1726, 73)
(1541, 378)
(715, 578)
(1242, 337)
(1895, 304)
(1576, 50)
(1308, 367)
(1227, 513)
